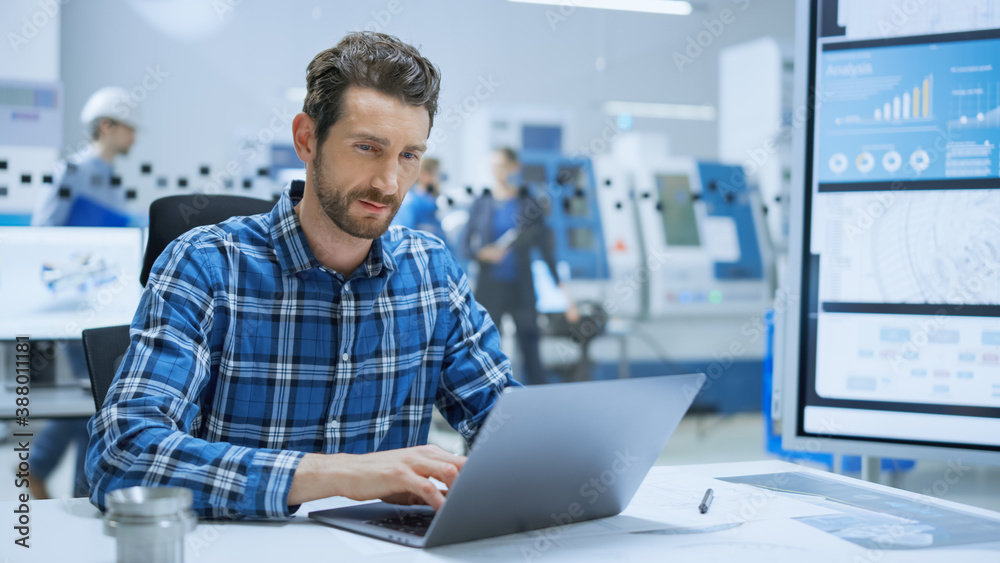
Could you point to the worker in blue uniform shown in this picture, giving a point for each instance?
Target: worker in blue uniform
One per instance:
(419, 208)
(85, 193)
(505, 225)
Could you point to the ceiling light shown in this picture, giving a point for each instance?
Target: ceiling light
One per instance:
(660, 111)
(671, 7)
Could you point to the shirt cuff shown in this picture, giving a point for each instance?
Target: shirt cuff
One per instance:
(269, 480)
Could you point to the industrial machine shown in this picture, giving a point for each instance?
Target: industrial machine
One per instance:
(701, 223)
(675, 255)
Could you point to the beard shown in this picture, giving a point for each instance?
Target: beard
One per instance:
(337, 201)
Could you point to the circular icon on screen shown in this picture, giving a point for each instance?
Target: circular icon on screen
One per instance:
(891, 161)
(920, 160)
(865, 162)
(838, 163)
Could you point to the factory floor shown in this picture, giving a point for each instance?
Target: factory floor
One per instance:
(701, 438)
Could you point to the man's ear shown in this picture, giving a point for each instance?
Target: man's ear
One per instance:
(105, 126)
(304, 137)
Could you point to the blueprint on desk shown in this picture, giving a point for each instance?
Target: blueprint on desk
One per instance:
(875, 519)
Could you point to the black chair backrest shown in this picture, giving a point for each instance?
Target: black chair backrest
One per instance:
(104, 348)
(172, 216)
(169, 217)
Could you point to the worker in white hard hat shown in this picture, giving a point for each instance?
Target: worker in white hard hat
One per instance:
(85, 193)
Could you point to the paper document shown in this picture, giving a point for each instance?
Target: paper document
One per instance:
(673, 497)
(506, 239)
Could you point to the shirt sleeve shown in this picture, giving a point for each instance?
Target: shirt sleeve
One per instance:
(50, 209)
(471, 240)
(474, 371)
(145, 433)
(535, 233)
(425, 218)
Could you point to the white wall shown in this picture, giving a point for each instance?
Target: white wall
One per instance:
(31, 41)
(29, 55)
(231, 79)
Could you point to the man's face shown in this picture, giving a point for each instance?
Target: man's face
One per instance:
(428, 179)
(370, 158)
(502, 167)
(119, 136)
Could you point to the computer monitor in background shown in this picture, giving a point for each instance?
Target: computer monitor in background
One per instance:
(895, 347)
(57, 281)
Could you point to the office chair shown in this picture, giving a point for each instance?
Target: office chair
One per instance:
(169, 217)
(104, 348)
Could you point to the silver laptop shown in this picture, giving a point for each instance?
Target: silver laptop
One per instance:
(547, 455)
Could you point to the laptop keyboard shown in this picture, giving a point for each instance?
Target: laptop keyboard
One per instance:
(413, 523)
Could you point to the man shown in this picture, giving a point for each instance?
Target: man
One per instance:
(419, 208)
(85, 193)
(296, 355)
(506, 284)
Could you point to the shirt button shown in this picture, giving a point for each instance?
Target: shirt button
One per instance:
(345, 357)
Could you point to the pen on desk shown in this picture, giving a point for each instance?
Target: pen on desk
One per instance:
(706, 501)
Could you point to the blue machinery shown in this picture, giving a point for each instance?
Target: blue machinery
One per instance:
(566, 186)
(676, 249)
(725, 194)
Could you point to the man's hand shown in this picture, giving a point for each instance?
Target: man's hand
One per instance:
(572, 313)
(491, 253)
(398, 476)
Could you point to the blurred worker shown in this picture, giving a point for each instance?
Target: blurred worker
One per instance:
(419, 208)
(505, 224)
(84, 193)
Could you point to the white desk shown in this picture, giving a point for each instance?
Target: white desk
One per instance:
(753, 524)
(49, 402)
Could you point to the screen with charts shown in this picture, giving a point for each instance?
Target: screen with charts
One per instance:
(57, 281)
(900, 340)
(921, 109)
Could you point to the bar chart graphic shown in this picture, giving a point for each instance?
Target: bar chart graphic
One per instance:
(919, 112)
(911, 104)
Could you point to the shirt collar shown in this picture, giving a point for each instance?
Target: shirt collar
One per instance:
(292, 248)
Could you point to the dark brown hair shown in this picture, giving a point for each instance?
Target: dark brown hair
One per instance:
(508, 153)
(430, 165)
(368, 60)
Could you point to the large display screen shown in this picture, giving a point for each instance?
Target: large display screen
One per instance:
(57, 281)
(900, 338)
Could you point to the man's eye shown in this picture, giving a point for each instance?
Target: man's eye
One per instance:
(409, 155)
(365, 147)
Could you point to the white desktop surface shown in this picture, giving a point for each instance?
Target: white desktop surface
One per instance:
(49, 402)
(71, 530)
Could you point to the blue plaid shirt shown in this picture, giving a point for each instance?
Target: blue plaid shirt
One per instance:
(246, 353)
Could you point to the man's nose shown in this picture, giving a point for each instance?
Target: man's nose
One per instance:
(385, 178)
